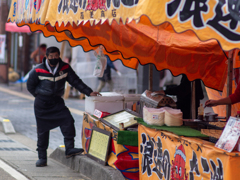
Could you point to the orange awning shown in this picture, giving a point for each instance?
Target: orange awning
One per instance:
(136, 32)
(208, 19)
(145, 43)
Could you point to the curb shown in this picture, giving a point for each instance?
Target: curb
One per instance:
(87, 166)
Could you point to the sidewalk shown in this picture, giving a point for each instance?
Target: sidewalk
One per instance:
(18, 153)
(23, 159)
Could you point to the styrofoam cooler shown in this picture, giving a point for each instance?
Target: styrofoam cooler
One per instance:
(130, 100)
(109, 102)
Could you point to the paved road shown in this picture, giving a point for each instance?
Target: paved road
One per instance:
(20, 111)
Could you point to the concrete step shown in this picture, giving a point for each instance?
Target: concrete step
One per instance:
(87, 166)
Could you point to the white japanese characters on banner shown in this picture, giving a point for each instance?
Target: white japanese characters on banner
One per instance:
(2, 45)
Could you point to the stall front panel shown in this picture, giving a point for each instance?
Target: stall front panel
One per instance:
(165, 156)
(122, 157)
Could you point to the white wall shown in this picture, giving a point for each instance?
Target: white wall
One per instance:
(49, 41)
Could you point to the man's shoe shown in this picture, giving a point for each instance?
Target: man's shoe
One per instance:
(41, 163)
(73, 152)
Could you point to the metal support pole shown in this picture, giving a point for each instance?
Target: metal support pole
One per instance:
(20, 45)
(12, 50)
(38, 44)
(15, 51)
(62, 49)
(150, 87)
(229, 81)
(38, 39)
(193, 102)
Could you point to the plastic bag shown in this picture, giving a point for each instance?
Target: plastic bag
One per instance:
(100, 64)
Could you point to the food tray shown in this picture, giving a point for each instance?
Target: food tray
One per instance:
(212, 133)
(218, 124)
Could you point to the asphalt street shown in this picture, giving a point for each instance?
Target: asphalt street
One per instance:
(20, 112)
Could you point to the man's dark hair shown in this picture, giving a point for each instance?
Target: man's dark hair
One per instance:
(43, 46)
(52, 49)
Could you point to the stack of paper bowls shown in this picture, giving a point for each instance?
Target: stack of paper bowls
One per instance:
(173, 117)
(161, 116)
(153, 116)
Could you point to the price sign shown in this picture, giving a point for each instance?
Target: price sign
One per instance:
(99, 145)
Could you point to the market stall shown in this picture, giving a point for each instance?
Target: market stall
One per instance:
(137, 31)
(164, 152)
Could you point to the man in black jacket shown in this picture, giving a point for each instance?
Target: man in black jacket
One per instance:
(46, 83)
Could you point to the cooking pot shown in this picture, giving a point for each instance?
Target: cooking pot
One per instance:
(211, 117)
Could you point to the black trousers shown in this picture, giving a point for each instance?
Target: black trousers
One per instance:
(68, 131)
(50, 113)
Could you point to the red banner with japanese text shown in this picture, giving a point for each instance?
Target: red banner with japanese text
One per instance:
(166, 156)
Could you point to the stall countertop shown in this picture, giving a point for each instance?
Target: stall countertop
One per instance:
(178, 130)
(209, 124)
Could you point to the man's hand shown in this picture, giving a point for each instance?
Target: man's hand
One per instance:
(95, 94)
(223, 101)
(211, 103)
(161, 92)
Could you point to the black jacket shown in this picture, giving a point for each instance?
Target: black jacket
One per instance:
(184, 95)
(42, 82)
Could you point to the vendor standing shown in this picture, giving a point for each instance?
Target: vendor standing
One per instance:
(184, 95)
(47, 83)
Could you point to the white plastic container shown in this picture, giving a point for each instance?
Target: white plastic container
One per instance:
(109, 102)
(130, 100)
